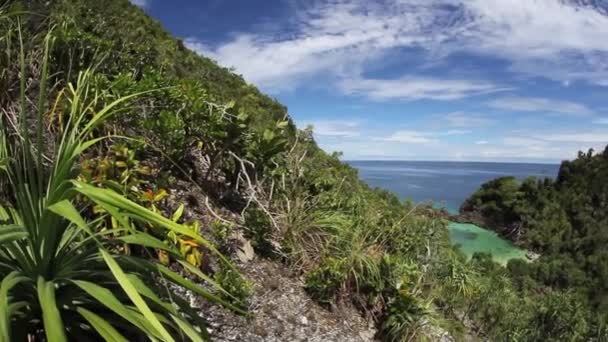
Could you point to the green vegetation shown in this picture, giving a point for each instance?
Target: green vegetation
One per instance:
(566, 221)
(65, 275)
(105, 117)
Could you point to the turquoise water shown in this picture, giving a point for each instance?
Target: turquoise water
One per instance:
(448, 184)
(471, 239)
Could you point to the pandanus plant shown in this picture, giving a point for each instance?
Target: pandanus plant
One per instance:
(59, 278)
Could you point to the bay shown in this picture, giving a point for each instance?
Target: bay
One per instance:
(448, 184)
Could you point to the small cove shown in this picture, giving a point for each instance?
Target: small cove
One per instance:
(472, 239)
(448, 184)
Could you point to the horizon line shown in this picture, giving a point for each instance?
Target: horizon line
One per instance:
(456, 161)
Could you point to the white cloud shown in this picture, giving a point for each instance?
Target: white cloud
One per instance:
(465, 120)
(410, 137)
(416, 88)
(578, 137)
(523, 141)
(560, 40)
(601, 121)
(335, 128)
(421, 137)
(458, 132)
(141, 3)
(481, 142)
(534, 104)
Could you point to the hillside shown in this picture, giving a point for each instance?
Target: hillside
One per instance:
(565, 220)
(149, 194)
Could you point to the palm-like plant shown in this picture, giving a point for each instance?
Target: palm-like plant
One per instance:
(60, 279)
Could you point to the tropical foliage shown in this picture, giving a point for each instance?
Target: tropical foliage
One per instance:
(62, 277)
(565, 220)
(105, 115)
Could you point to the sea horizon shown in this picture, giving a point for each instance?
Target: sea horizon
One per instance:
(447, 183)
(556, 163)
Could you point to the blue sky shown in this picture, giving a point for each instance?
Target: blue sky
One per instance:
(488, 80)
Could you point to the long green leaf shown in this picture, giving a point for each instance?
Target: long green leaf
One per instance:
(11, 232)
(194, 335)
(179, 280)
(105, 329)
(67, 210)
(8, 283)
(53, 324)
(107, 298)
(145, 291)
(148, 240)
(135, 297)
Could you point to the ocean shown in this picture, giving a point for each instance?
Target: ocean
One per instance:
(448, 184)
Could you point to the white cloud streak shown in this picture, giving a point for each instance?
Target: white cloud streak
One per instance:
(533, 104)
(409, 137)
(601, 121)
(465, 120)
(336, 128)
(421, 137)
(416, 88)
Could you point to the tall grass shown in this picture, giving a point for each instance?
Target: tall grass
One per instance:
(61, 280)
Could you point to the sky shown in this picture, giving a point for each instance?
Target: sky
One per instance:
(476, 80)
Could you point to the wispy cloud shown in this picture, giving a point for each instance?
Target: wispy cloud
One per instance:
(560, 40)
(410, 137)
(416, 88)
(458, 132)
(601, 121)
(465, 120)
(534, 104)
(336, 128)
(577, 137)
(421, 137)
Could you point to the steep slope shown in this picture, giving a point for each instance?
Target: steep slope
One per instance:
(202, 139)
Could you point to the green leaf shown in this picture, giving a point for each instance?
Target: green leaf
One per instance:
(51, 318)
(66, 210)
(105, 329)
(145, 291)
(194, 335)
(178, 213)
(8, 283)
(131, 291)
(148, 240)
(11, 232)
(3, 214)
(107, 298)
(181, 281)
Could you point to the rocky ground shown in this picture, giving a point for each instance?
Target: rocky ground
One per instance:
(282, 311)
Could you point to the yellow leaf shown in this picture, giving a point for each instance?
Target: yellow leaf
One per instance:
(192, 260)
(145, 170)
(163, 257)
(121, 164)
(162, 193)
